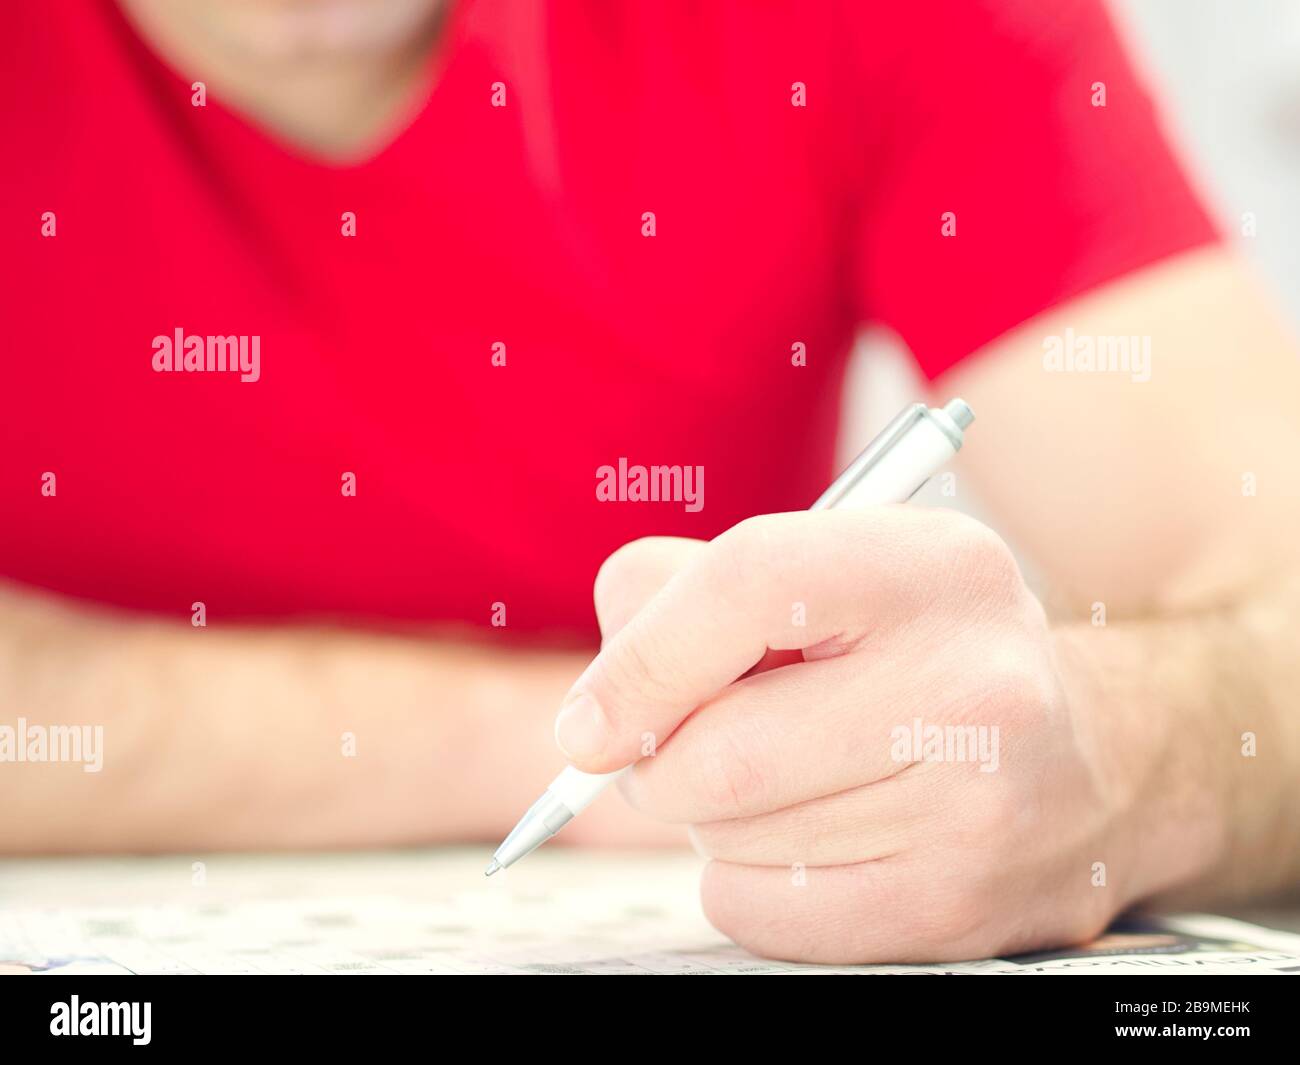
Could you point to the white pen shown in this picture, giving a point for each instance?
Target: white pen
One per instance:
(891, 469)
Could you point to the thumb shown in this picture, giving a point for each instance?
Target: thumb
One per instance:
(627, 580)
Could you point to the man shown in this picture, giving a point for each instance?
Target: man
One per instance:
(468, 258)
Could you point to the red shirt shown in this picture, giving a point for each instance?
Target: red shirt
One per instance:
(523, 225)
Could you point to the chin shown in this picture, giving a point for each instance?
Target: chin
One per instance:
(328, 29)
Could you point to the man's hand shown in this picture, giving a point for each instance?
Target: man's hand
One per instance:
(863, 718)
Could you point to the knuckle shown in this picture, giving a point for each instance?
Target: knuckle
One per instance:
(993, 554)
(745, 549)
(996, 818)
(1034, 618)
(744, 565)
(729, 780)
(745, 535)
(1023, 690)
(614, 577)
(983, 555)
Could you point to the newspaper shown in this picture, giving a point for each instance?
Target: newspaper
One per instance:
(561, 911)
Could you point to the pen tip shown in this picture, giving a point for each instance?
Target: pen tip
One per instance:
(493, 866)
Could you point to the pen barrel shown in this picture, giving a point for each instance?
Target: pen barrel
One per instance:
(577, 789)
(895, 465)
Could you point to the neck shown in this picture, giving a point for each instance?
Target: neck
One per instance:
(336, 78)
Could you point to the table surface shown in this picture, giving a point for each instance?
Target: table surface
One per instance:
(562, 911)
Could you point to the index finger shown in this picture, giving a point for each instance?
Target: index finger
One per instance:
(783, 581)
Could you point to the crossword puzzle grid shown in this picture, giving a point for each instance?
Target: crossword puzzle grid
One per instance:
(434, 912)
(567, 913)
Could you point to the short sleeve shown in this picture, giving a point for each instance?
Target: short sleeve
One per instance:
(1014, 161)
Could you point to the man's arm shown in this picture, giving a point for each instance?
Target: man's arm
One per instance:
(237, 738)
(1164, 514)
(938, 769)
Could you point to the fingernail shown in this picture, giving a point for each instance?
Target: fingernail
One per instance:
(581, 729)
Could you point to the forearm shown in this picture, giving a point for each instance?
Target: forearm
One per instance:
(241, 737)
(1197, 725)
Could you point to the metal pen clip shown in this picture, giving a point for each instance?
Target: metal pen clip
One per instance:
(950, 420)
(871, 455)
